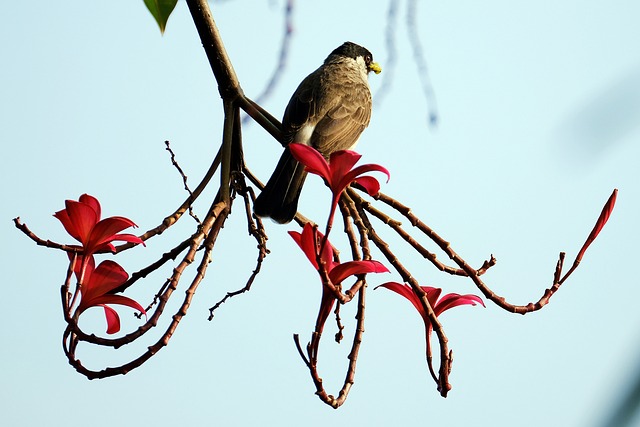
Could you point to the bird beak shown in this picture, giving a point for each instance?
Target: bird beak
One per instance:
(375, 68)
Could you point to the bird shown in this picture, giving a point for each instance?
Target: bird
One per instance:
(328, 111)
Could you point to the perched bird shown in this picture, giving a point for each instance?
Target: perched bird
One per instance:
(328, 111)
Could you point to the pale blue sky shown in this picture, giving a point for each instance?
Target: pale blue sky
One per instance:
(539, 108)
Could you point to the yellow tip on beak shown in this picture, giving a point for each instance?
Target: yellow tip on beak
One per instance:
(375, 68)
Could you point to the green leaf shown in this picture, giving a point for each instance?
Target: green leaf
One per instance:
(161, 10)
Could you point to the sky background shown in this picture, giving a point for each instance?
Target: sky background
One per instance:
(539, 107)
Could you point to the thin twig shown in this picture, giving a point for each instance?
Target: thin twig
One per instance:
(256, 229)
(184, 180)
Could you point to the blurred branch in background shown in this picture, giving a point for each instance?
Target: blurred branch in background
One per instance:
(421, 62)
(390, 64)
(392, 53)
(282, 57)
(418, 57)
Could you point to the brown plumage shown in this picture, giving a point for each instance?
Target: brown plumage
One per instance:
(328, 111)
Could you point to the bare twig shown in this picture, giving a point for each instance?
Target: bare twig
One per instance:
(256, 229)
(41, 242)
(184, 180)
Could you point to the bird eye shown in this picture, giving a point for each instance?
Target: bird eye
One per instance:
(368, 59)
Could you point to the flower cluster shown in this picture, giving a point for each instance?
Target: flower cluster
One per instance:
(339, 173)
(97, 285)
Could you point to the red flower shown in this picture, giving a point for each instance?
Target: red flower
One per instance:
(446, 302)
(82, 221)
(602, 220)
(338, 172)
(320, 254)
(96, 287)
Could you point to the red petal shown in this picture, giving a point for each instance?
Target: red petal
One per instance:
(350, 268)
(106, 277)
(306, 243)
(370, 184)
(105, 231)
(113, 320)
(112, 225)
(109, 247)
(63, 216)
(105, 247)
(311, 159)
(83, 218)
(371, 167)
(93, 202)
(356, 172)
(297, 237)
(340, 163)
(406, 291)
(453, 300)
(132, 238)
(119, 300)
(128, 238)
(602, 220)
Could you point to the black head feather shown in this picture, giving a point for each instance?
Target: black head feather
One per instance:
(352, 50)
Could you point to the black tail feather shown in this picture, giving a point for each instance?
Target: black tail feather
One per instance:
(279, 198)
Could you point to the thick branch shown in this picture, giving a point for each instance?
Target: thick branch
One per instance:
(225, 75)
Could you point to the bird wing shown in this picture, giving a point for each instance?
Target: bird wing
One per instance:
(301, 107)
(344, 121)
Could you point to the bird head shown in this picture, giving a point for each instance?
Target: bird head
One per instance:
(357, 52)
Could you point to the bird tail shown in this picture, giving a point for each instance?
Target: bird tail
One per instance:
(279, 198)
